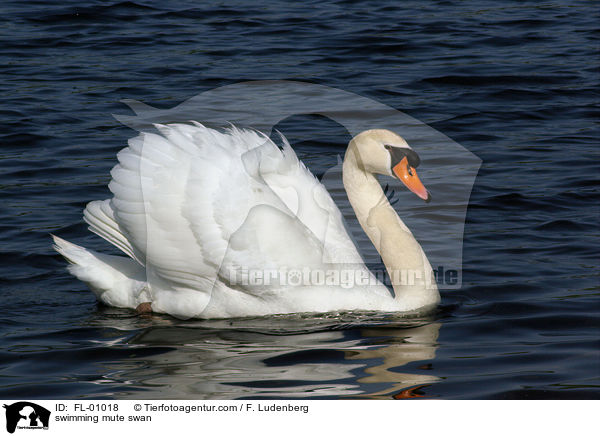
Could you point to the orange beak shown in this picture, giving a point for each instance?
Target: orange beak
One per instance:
(408, 176)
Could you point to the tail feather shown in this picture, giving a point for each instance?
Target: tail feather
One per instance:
(115, 280)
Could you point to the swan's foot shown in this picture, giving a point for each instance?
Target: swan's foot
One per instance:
(143, 308)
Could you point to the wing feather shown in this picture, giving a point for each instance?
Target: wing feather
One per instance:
(189, 200)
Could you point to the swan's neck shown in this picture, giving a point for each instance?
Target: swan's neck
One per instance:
(409, 270)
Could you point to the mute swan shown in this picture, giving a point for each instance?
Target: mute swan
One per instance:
(220, 224)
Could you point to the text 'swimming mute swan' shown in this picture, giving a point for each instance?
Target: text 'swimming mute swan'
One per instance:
(221, 224)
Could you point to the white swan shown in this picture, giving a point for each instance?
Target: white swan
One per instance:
(221, 224)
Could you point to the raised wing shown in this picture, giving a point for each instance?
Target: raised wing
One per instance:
(192, 203)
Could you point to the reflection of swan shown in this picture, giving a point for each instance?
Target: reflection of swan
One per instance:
(409, 345)
(212, 359)
(217, 224)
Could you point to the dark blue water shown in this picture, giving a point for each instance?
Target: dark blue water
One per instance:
(515, 83)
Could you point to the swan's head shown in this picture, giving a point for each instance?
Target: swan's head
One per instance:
(381, 151)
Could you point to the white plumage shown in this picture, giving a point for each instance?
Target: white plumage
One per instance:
(195, 209)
